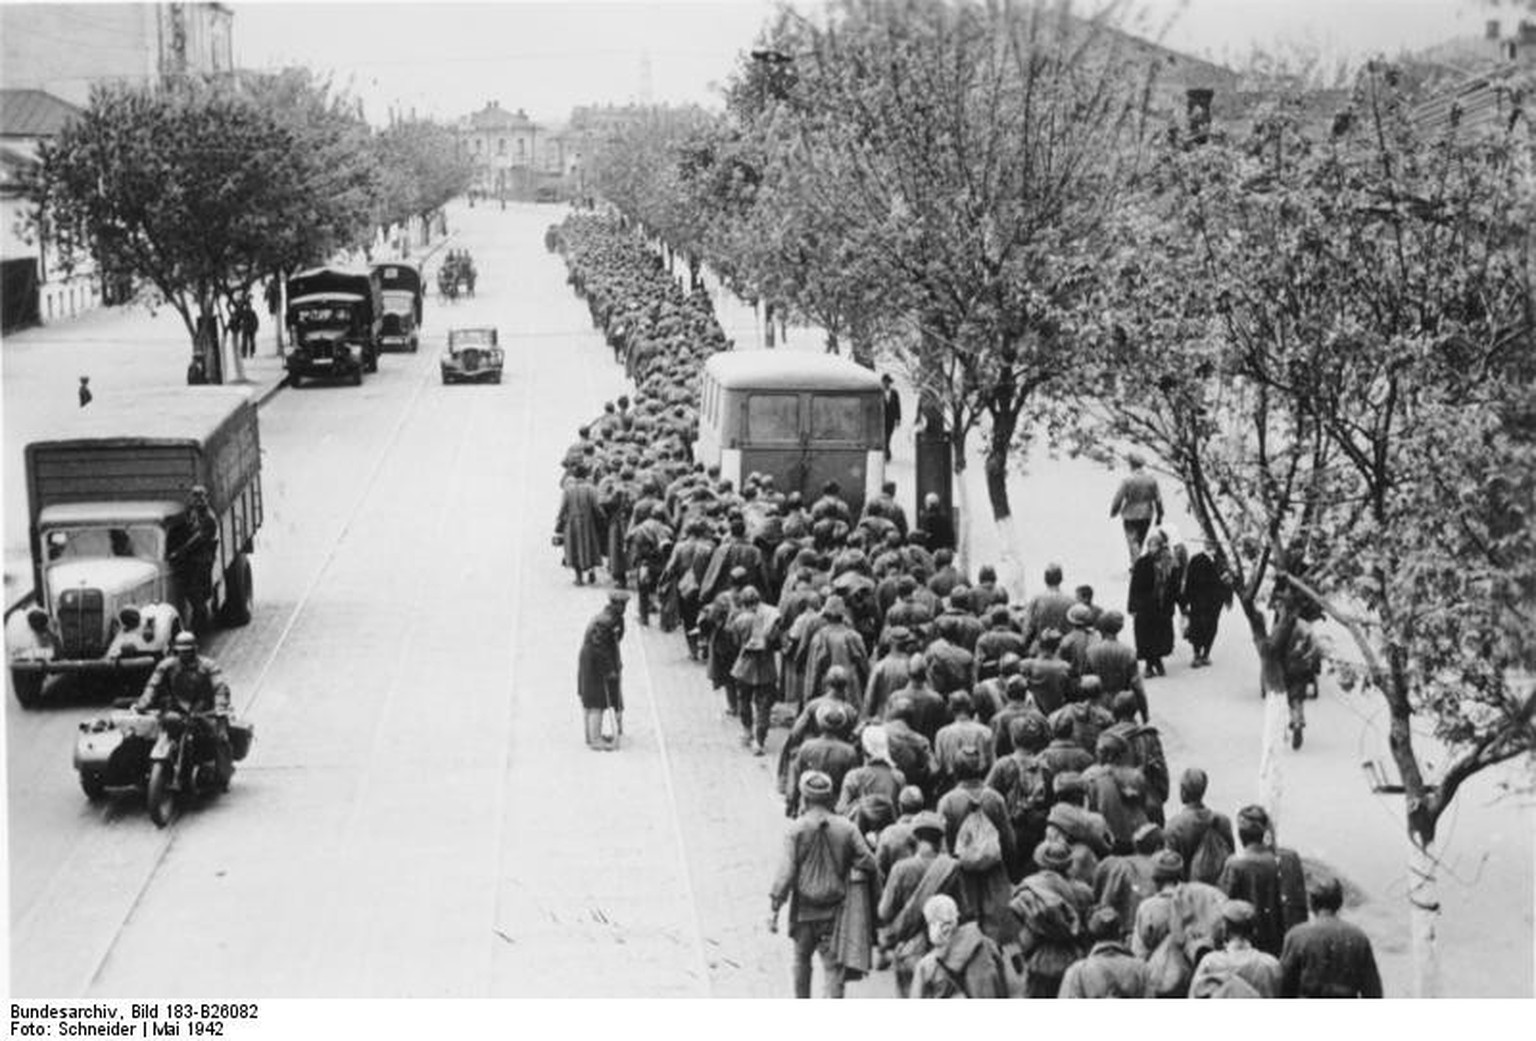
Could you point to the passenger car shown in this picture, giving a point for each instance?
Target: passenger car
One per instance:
(472, 355)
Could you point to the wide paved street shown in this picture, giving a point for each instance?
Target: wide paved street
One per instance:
(419, 816)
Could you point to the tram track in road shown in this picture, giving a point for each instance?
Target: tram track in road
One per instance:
(139, 854)
(690, 892)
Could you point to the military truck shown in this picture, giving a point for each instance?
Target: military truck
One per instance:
(334, 321)
(107, 515)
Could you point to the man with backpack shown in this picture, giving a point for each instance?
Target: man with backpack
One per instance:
(1147, 755)
(961, 735)
(1175, 927)
(1052, 912)
(828, 752)
(1023, 781)
(964, 962)
(1200, 835)
(1238, 970)
(1109, 970)
(982, 840)
(820, 851)
(1302, 660)
(913, 881)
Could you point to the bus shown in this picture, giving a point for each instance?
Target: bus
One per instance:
(803, 418)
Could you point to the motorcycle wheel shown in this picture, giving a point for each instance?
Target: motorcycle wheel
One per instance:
(161, 800)
(92, 785)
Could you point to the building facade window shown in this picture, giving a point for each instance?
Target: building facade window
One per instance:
(501, 146)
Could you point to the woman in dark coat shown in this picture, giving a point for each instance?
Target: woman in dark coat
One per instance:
(598, 667)
(1204, 596)
(580, 525)
(1153, 597)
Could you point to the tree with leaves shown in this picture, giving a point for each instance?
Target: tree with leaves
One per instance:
(1326, 333)
(199, 189)
(968, 154)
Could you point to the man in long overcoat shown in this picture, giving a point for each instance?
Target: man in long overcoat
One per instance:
(580, 525)
(597, 671)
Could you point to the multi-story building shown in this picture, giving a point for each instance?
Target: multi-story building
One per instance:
(51, 55)
(504, 146)
(65, 49)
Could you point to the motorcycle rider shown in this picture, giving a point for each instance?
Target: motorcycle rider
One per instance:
(192, 685)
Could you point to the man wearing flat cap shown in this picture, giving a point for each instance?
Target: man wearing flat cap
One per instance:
(1137, 503)
(820, 850)
(1053, 913)
(828, 752)
(598, 667)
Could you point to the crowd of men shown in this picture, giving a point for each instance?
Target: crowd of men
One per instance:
(979, 799)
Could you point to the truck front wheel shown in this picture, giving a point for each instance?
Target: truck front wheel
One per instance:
(238, 592)
(28, 687)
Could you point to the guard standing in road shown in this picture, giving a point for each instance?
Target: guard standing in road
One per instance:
(597, 672)
(85, 391)
(195, 545)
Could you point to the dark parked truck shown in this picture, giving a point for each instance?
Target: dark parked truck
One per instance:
(109, 526)
(334, 322)
(400, 285)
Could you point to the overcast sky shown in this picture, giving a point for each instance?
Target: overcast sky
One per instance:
(445, 60)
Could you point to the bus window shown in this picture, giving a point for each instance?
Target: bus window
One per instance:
(773, 417)
(837, 417)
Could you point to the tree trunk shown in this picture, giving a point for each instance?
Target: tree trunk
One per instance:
(1277, 716)
(1423, 911)
(863, 351)
(996, 464)
(1010, 533)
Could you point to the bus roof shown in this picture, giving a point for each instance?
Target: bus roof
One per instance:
(788, 370)
(169, 414)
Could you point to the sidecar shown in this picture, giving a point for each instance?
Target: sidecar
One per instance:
(112, 751)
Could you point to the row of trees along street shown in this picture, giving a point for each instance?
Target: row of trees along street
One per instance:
(198, 190)
(1323, 328)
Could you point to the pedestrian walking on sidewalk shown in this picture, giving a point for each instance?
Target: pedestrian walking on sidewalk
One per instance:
(1138, 503)
(598, 669)
(892, 412)
(1154, 593)
(821, 849)
(85, 391)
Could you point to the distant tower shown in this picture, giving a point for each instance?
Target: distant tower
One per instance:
(645, 77)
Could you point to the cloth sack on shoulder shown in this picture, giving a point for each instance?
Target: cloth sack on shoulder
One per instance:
(819, 881)
(978, 846)
(1210, 855)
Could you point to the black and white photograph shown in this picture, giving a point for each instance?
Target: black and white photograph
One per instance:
(764, 499)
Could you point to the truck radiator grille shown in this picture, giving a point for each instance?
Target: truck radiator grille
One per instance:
(82, 628)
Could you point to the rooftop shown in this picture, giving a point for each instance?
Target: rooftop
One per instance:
(33, 113)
